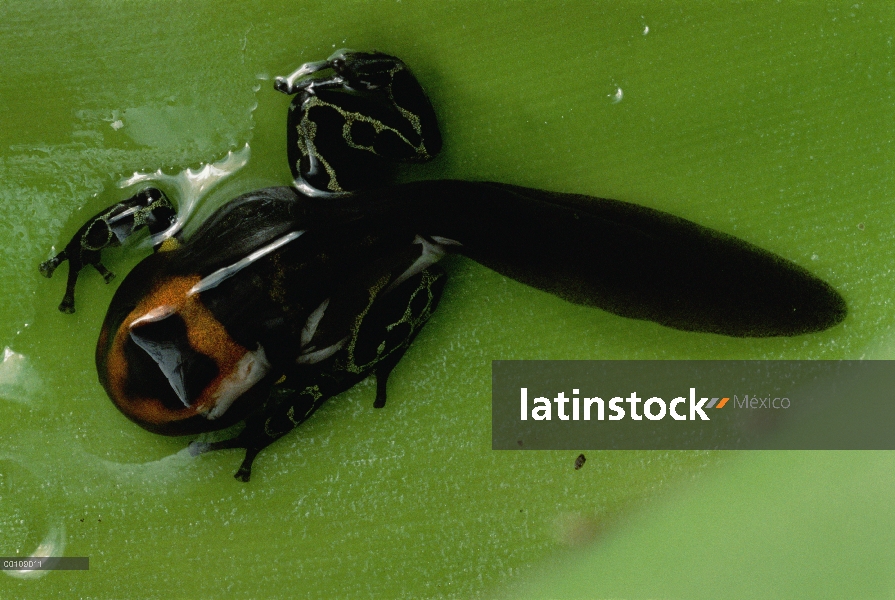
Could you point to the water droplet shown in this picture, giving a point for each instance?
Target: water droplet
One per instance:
(53, 544)
(25, 519)
(190, 186)
(617, 96)
(17, 378)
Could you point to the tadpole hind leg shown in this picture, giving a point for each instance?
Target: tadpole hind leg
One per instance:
(393, 322)
(149, 208)
(102, 270)
(244, 473)
(68, 300)
(381, 388)
(383, 370)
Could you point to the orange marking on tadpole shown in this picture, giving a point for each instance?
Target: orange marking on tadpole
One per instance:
(206, 335)
(722, 403)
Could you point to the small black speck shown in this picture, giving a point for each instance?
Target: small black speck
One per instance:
(579, 462)
(520, 443)
(861, 226)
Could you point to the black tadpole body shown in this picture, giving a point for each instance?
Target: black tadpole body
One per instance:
(287, 296)
(626, 259)
(623, 258)
(281, 300)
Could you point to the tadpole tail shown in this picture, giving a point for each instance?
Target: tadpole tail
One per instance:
(627, 259)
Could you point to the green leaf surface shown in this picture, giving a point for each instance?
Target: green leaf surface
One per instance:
(768, 121)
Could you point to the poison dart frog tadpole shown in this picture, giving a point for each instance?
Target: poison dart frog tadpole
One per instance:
(287, 296)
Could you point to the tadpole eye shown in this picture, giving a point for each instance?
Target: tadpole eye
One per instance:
(150, 195)
(338, 65)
